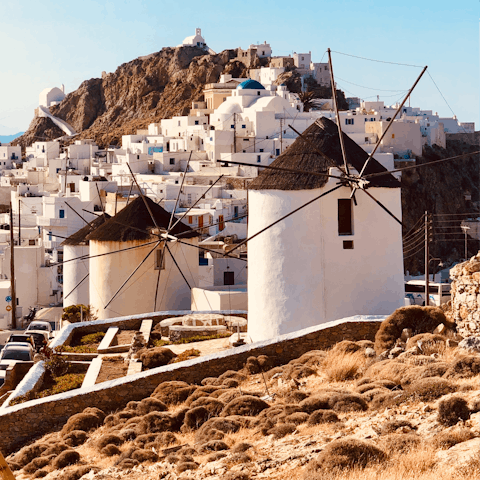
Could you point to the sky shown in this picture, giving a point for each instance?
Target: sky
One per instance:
(49, 43)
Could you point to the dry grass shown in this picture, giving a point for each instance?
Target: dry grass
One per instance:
(340, 366)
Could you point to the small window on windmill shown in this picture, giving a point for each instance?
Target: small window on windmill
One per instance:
(228, 278)
(159, 259)
(345, 218)
(348, 244)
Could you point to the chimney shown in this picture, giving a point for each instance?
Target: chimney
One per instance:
(63, 88)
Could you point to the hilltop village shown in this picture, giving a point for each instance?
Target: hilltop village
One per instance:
(198, 166)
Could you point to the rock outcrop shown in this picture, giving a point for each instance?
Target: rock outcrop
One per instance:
(466, 296)
(139, 92)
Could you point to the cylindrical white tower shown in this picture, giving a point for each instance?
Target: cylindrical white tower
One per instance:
(331, 259)
(74, 271)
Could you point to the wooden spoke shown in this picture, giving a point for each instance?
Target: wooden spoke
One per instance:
(382, 206)
(179, 193)
(178, 266)
(76, 286)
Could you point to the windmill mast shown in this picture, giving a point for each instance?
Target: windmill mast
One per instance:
(427, 273)
(12, 272)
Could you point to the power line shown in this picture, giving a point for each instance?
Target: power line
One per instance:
(370, 88)
(378, 61)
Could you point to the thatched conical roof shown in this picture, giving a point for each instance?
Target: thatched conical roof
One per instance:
(301, 155)
(80, 237)
(134, 223)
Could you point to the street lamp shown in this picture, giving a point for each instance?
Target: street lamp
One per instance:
(465, 229)
(440, 264)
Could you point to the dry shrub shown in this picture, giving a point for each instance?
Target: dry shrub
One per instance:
(228, 375)
(340, 366)
(418, 319)
(150, 404)
(36, 464)
(344, 454)
(41, 473)
(464, 367)
(280, 431)
(165, 438)
(400, 442)
(430, 388)
(322, 416)
(453, 410)
(239, 458)
(346, 346)
(56, 449)
(81, 421)
(110, 450)
(297, 418)
(173, 392)
(390, 399)
(392, 426)
(108, 439)
(184, 466)
(156, 422)
(213, 457)
(228, 395)
(127, 463)
(195, 418)
(429, 343)
(347, 402)
(371, 394)
(96, 411)
(237, 476)
(274, 371)
(142, 455)
(313, 358)
(315, 402)
(28, 453)
(391, 370)
(68, 457)
(213, 446)
(75, 438)
(451, 437)
(295, 396)
(244, 405)
(436, 369)
(212, 405)
(156, 357)
(258, 364)
(216, 428)
(77, 472)
(241, 447)
(142, 440)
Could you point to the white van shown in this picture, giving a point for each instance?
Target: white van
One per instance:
(439, 293)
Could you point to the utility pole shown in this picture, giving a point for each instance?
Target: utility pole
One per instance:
(281, 136)
(234, 133)
(426, 262)
(465, 228)
(19, 226)
(12, 272)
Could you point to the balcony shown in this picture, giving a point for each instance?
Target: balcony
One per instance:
(51, 222)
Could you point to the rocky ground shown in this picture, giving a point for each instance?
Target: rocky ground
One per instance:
(406, 405)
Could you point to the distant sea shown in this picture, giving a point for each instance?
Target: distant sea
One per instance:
(9, 138)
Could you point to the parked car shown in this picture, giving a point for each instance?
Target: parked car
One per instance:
(40, 326)
(438, 293)
(21, 337)
(40, 338)
(21, 352)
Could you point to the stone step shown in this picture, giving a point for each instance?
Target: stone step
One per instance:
(107, 340)
(134, 366)
(92, 372)
(145, 329)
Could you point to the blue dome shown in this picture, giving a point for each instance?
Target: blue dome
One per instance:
(250, 85)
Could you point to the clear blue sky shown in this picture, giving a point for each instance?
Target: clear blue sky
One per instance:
(47, 43)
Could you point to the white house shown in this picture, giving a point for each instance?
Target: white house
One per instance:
(331, 259)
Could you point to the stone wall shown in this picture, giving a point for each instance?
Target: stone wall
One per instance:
(466, 296)
(21, 423)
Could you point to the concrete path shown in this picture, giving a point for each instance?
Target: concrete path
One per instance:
(62, 124)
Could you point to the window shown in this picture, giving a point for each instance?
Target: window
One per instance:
(196, 122)
(221, 224)
(190, 220)
(244, 126)
(159, 259)
(348, 244)
(138, 157)
(172, 161)
(61, 213)
(228, 278)
(49, 236)
(235, 212)
(277, 152)
(345, 224)
(179, 123)
(393, 135)
(232, 126)
(261, 150)
(366, 139)
(259, 158)
(31, 242)
(349, 121)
